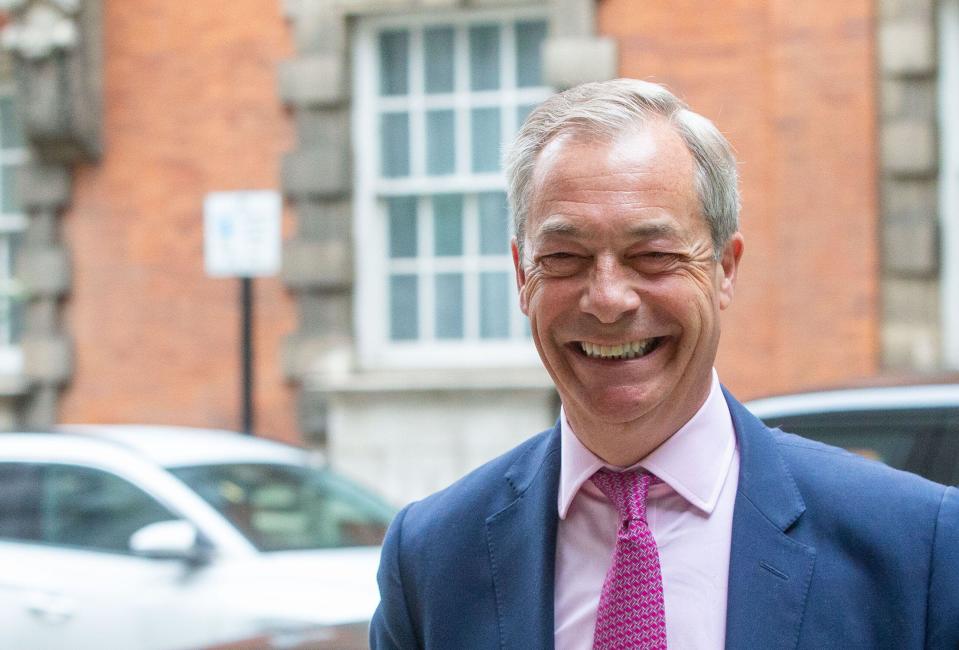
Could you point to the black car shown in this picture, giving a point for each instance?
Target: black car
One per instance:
(914, 427)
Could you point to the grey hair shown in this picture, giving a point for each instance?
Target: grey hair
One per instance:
(606, 109)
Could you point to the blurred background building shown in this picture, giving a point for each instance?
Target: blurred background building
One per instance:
(391, 337)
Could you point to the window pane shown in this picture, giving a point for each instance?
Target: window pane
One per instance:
(484, 57)
(404, 322)
(449, 306)
(395, 143)
(486, 139)
(448, 224)
(494, 229)
(529, 60)
(438, 45)
(11, 200)
(394, 58)
(89, 508)
(10, 135)
(522, 112)
(20, 511)
(440, 142)
(402, 214)
(494, 305)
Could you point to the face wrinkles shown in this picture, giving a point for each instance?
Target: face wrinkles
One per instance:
(622, 289)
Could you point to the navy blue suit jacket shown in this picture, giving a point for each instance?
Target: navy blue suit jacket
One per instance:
(828, 551)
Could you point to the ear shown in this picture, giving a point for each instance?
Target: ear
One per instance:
(729, 267)
(520, 276)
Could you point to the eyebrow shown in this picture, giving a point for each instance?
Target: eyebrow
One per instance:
(639, 231)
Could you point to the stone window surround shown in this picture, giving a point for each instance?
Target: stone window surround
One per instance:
(317, 181)
(949, 186)
(917, 331)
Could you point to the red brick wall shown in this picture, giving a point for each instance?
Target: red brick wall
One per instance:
(191, 107)
(791, 83)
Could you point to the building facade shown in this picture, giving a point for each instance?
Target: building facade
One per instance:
(392, 337)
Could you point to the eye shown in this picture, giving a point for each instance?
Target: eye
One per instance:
(561, 263)
(654, 261)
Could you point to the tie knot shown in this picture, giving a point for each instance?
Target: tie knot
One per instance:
(625, 490)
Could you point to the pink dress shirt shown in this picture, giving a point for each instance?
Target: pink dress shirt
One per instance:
(690, 515)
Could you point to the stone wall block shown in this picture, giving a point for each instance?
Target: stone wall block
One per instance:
(326, 314)
(320, 28)
(324, 220)
(317, 264)
(44, 186)
(325, 128)
(304, 355)
(911, 247)
(907, 47)
(908, 147)
(44, 271)
(47, 359)
(572, 18)
(315, 80)
(571, 61)
(318, 173)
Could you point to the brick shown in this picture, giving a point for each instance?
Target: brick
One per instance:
(907, 47)
(311, 264)
(315, 80)
(571, 61)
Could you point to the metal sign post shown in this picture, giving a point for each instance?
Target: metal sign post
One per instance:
(242, 239)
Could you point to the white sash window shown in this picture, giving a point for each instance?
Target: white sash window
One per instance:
(435, 100)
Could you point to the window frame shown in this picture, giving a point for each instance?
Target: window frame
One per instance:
(371, 260)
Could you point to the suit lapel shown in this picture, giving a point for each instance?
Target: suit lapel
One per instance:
(522, 547)
(769, 572)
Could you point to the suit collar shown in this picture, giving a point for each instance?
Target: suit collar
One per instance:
(769, 571)
(521, 539)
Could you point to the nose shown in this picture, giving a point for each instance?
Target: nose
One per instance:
(611, 292)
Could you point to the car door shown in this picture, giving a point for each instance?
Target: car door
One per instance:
(68, 578)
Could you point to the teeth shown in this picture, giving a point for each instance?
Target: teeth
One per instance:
(629, 350)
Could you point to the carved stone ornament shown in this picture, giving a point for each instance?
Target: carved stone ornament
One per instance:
(40, 27)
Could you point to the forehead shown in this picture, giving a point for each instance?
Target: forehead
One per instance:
(641, 181)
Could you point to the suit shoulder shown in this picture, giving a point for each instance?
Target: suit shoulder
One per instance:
(822, 468)
(484, 490)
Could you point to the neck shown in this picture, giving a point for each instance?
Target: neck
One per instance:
(623, 444)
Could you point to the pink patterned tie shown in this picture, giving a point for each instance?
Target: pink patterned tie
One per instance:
(631, 612)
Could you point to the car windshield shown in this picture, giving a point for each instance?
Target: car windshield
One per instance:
(290, 507)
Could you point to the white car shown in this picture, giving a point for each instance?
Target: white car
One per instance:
(137, 537)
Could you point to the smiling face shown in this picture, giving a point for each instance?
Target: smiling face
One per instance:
(621, 286)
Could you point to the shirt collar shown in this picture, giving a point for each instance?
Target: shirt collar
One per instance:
(694, 461)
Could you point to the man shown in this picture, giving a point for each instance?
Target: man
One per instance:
(658, 511)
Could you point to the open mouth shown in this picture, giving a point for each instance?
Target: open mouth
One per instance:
(628, 350)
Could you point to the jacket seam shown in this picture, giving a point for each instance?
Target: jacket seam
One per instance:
(932, 556)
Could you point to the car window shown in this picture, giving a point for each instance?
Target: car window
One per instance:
(915, 440)
(21, 516)
(68, 505)
(290, 507)
(90, 508)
